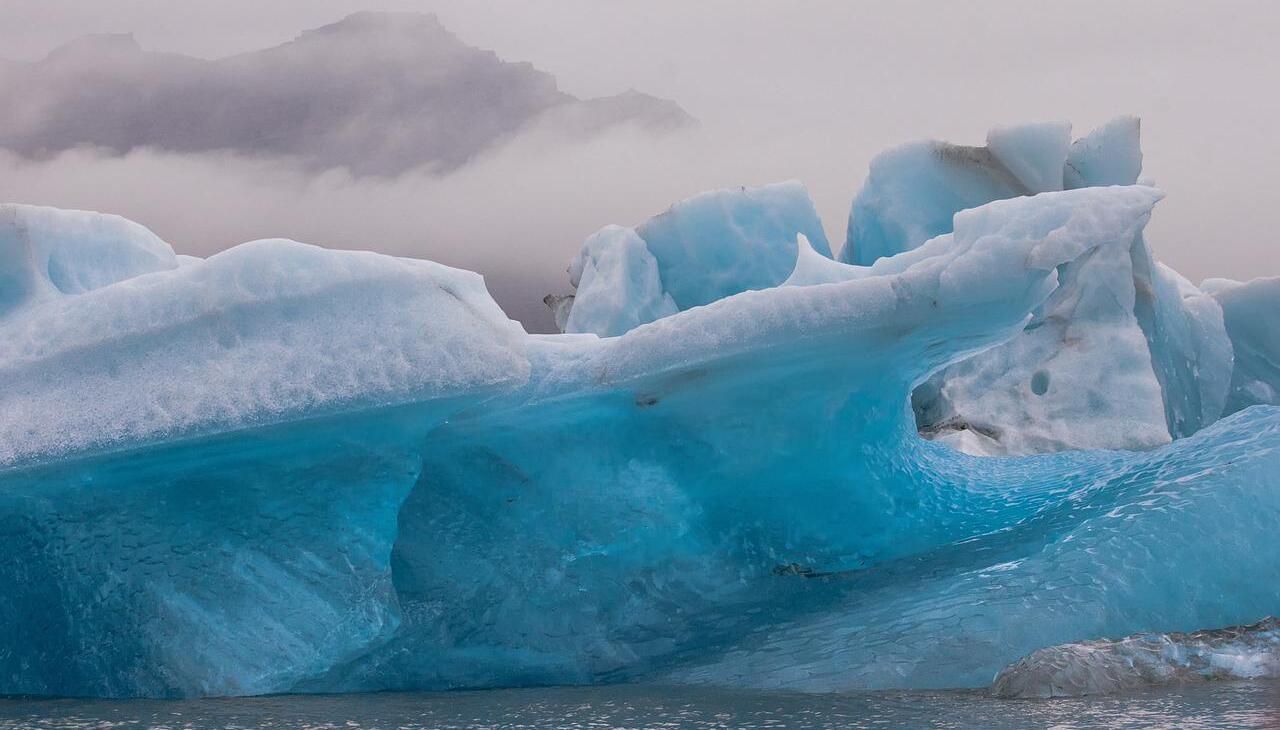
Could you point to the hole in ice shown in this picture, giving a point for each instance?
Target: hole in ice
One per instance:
(1040, 382)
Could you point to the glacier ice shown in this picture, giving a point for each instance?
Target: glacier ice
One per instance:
(284, 468)
(617, 286)
(1101, 666)
(47, 252)
(1250, 311)
(1191, 351)
(913, 191)
(265, 332)
(705, 248)
(1109, 155)
(1166, 352)
(1044, 390)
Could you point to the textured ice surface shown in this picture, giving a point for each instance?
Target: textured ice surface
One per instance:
(265, 332)
(291, 469)
(1047, 389)
(1105, 665)
(705, 248)
(1252, 315)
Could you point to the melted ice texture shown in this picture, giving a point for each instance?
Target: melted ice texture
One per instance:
(288, 469)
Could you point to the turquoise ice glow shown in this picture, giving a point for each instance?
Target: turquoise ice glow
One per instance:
(290, 469)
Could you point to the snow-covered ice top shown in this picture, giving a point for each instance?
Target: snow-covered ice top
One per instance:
(47, 252)
(264, 332)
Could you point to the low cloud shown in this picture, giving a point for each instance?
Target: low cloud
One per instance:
(375, 93)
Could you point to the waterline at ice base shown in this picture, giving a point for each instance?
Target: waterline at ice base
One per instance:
(994, 436)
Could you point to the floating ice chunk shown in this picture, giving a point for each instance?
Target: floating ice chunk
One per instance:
(607, 476)
(723, 242)
(617, 285)
(559, 304)
(1109, 155)
(1251, 312)
(1106, 665)
(913, 191)
(705, 248)
(47, 252)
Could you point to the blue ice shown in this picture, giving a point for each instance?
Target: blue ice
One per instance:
(284, 468)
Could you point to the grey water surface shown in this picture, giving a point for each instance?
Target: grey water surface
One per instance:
(1216, 705)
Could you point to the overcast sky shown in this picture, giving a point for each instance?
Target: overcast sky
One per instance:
(808, 90)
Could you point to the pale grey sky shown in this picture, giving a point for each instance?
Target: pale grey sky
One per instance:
(807, 90)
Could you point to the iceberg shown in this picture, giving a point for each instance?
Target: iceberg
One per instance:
(290, 469)
(913, 191)
(1250, 311)
(617, 285)
(705, 248)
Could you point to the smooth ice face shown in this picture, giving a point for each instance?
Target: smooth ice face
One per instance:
(1032, 153)
(238, 564)
(1109, 155)
(47, 252)
(1251, 312)
(617, 285)
(1144, 660)
(705, 248)
(1190, 349)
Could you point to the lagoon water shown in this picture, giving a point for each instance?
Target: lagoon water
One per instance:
(1219, 706)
